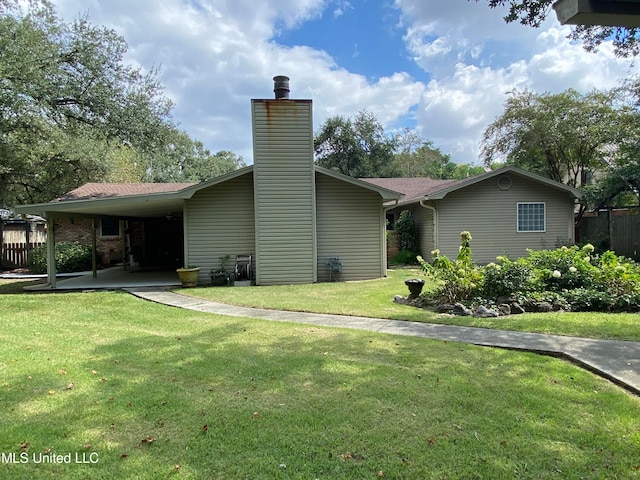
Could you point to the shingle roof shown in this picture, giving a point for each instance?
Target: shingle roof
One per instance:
(103, 190)
(413, 188)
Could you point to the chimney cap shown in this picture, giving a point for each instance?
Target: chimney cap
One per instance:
(281, 87)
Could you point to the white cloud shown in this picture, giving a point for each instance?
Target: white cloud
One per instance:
(215, 55)
(474, 59)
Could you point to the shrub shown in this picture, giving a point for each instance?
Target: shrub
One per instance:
(568, 277)
(404, 257)
(70, 257)
(407, 232)
(506, 279)
(456, 280)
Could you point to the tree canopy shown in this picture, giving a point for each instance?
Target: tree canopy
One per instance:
(533, 12)
(72, 111)
(566, 136)
(360, 147)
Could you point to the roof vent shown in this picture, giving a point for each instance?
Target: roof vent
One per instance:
(281, 87)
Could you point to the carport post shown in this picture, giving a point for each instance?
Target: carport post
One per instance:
(94, 260)
(51, 251)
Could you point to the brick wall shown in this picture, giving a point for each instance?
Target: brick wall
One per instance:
(79, 230)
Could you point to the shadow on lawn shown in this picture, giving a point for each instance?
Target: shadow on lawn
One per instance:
(246, 396)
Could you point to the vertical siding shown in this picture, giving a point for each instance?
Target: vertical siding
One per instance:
(350, 223)
(284, 191)
(220, 221)
(490, 214)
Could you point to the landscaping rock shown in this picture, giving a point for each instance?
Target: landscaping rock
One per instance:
(543, 307)
(516, 308)
(461, 310)
(504, 309)
(401, 300)
(445, 308)
(484, 312)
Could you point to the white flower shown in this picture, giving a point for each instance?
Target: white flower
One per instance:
(573, 269)
(556, 274)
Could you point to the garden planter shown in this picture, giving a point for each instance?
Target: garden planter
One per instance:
(415, 287)
(188, 276)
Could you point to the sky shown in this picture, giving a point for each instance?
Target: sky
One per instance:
(443, 68)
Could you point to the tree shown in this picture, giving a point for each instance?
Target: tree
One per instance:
(71, 111)
(356, 147)
(533, 12)
(417, 157)
(565, 137)
(184, 160)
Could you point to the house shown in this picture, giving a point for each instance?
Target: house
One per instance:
(507, 211)
(290, 215)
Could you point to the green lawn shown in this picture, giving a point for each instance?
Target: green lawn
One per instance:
(373, 298)
(150, 391)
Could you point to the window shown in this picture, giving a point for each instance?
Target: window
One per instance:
(531, 217)
(109, 227)
(391, 221)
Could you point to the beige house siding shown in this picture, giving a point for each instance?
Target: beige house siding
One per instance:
(219, 221)
(284, 192)
(350, 223)
(490, 214)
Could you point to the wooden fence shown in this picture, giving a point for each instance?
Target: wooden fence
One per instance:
(614, 229)
(17, 239)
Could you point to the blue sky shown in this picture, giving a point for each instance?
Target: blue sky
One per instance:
(442, 68)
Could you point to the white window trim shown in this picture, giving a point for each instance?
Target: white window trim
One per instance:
(544, 206)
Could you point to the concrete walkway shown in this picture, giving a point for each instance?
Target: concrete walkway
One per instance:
(617, 361)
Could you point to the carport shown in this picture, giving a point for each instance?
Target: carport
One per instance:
(157, 209)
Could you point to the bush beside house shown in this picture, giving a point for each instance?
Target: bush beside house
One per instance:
(567, 278)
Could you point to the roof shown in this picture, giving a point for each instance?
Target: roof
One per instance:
(414, 188)
(105, 190)
(155, 199)
(422, 188)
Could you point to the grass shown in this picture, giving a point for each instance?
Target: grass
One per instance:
(158, 392)
(373, 298)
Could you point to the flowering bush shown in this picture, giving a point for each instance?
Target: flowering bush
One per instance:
(572, 277)
(456, 280)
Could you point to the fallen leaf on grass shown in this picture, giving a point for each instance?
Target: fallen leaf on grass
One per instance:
(256, 415)
(149, 439)
(51, 392)
(124, 455)
(86, 446)
(62, 371)
(177, 467)
(93, 372)
(380, 474)
(24, 446)
(205, 428)
(69, 386)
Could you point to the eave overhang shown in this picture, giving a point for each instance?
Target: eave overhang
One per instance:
(611, 13)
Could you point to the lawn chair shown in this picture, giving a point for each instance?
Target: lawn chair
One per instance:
(334, 265)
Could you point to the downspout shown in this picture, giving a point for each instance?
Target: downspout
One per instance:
(435, 221)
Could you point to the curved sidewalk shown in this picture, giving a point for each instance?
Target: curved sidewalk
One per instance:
(618, 361)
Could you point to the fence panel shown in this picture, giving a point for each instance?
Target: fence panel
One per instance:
(13, 243)
(618, 230)
(625, 234)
